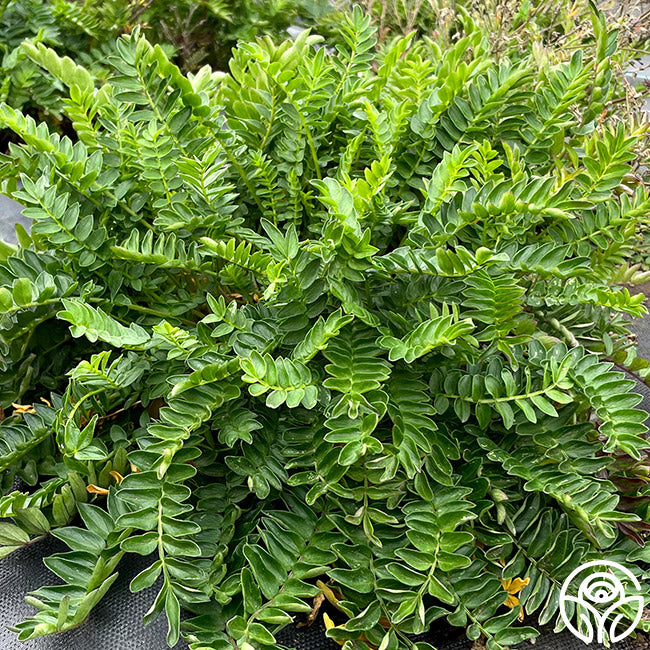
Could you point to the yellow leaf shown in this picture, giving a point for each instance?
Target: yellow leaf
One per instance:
(23, 408)
(95, 489)
(511, 601)
(329, 624)
(329, 594)
(117, 476)
(514, 585)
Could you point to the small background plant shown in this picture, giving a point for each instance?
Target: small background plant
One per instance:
(193, 33)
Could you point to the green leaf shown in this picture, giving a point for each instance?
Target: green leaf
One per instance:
(11, 535)
(22, 291)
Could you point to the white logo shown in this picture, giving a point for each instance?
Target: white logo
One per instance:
(600, 594)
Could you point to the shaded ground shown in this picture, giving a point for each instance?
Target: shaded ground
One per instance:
(9, 215)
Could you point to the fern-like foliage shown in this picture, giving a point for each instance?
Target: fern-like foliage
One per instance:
(336, 324)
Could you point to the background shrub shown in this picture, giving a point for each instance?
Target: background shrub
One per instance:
(193, 33)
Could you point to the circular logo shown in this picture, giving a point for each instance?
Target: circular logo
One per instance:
(602, 588)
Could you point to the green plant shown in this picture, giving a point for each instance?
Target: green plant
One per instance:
(552, 28)
(194, 32)
(330, 323)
